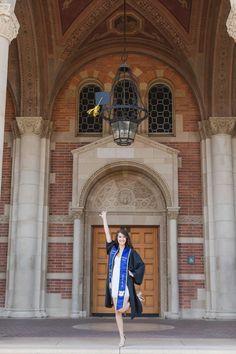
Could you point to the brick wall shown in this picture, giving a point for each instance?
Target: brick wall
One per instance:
(64, 113)
(60, 194)
(190, 201)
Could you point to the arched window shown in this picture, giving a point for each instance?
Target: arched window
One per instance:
(160, 109)
(88, 123)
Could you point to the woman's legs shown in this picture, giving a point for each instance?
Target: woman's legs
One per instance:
(119, 319)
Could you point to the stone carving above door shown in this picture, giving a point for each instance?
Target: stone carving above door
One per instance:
(126, 192)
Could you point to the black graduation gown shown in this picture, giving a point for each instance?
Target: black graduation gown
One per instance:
(137, 267)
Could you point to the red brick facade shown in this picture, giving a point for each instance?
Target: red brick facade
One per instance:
(60, 195)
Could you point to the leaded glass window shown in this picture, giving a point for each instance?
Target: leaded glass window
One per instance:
(160, 109)
(125, 94)
(88, 123)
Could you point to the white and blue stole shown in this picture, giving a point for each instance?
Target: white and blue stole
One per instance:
(123, 273)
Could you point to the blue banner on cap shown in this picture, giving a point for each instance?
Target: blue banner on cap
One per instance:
(102, 98)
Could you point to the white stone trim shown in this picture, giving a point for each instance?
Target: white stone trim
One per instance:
(3, 239)
(191, 276)
(2, 275)
(59, 239)
(59, 276)
(52, 178)
(187, 239)
(190, 219)
(173, 262)
(4, 219)
(78, 266)
(92, 165)
(60, 219)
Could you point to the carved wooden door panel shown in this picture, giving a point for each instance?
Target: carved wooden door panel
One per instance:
(146, 241)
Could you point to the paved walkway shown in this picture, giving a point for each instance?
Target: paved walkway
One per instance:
(99, 335)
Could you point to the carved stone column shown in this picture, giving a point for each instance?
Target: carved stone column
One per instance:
(173, 285)
(231, 20)
(9, 27)
(77, 272)
(220, 212)
(27, 256)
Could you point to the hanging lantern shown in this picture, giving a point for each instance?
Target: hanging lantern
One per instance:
(125, 110)
(122, 107)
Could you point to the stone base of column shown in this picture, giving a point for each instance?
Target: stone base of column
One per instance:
(212, 315)
(10, 313)
(79, 314)
(171, 315)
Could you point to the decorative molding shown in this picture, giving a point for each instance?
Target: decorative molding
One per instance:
(204, 129)
(3, 239)
(223, 63)
(85, 26)
(231, 22)
(129, 165)
(217, 125)
(9, 25)
(30, 72)
(190, 219)
(47, 129)
(30, 125)
(15, 130)
(147, 8)
(76, 213)
(173, 213)
(138, 138)
(60, 219)
(222, 125)
(131, 192)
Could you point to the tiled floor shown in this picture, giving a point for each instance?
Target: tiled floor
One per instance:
(96, 327)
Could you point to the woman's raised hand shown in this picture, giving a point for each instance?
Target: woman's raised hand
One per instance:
(103, 214)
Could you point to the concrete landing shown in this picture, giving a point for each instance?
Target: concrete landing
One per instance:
(99, 335)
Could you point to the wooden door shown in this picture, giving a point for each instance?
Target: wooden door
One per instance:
(146, 241)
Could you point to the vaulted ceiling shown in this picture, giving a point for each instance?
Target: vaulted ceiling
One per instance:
(57, 37)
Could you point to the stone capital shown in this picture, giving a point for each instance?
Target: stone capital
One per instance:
(47, 129)
(76, 213)
(173, 213)
(204, 129)
(217, 125)
(231, 22)
(30, 125)
(9, 25)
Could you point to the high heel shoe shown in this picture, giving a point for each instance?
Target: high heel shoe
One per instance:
(122, 342)
(140, 296)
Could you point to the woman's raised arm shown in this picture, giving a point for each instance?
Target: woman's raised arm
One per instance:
(105, 225)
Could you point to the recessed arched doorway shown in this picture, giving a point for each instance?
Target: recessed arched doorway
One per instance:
(134, 200)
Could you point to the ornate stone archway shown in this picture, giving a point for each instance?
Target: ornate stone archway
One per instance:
(143, 189)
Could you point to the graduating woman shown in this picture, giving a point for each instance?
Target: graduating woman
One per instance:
(125, 268)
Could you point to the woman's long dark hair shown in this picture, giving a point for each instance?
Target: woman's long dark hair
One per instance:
(124, 231)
